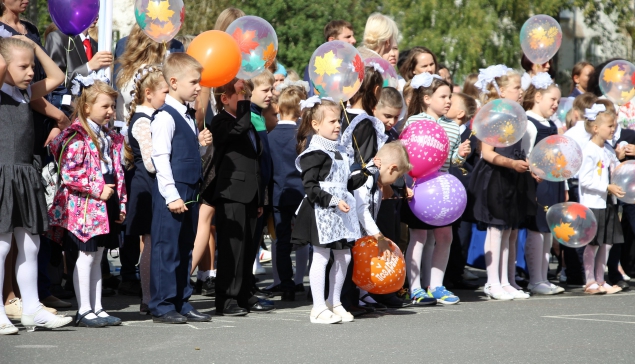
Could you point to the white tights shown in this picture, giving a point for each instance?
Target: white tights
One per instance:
(496, 258)
(594, 262)
(317, 276)
(427, 257)
(87, 282)
(537, 253)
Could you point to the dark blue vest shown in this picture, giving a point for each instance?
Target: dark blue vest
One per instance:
(134, 144)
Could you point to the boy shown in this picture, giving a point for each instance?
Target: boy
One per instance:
(176, 157)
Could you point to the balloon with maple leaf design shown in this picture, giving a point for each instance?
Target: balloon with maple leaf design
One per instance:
(161, 20)
(258, 44)
(388, 73)
(556, 158)
(616, 81)
(336, 70)
(540, 38)
(500, 123)
(624, 177)
(572, 224)
(83, 15)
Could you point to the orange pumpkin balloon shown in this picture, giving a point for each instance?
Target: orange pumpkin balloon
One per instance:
(220, 56)
(373, 274)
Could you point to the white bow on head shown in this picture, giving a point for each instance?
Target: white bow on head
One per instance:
(592, 113)
(376, 66)
(542, 81)
(423, 79)
(312, 101)
(5, 33)
(488, 75)
(80, 82)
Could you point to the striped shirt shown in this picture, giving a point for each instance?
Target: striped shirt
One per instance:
(452, 129)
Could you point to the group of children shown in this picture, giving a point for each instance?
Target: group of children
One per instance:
(328, 173)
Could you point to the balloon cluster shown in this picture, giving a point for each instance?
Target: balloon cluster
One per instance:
(556, 158)
(617, 81)
(336, 70)
(572, 224)
(500, 123)
(376, 275)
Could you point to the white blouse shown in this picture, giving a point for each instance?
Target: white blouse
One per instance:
(594, 174)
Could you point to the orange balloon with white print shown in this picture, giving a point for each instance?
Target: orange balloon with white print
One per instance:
(373, 274)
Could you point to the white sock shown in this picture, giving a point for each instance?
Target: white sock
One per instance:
(81, 281)
(5, 246)
(144, 269)
(95, 283)
(317, 276)
(533, 256)
(341, 259)
(26, 269)
(274, 262)
(493, 241)
(202, 275)
(589, 264)
(414, 255)
(426, 263)
(440, 255)
(212, 273)
(301, 262)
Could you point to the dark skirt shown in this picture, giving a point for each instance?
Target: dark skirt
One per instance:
(22, 202)
(413, 222)
(547, 194)
(609, 226)
(305, 230)
(139, 207)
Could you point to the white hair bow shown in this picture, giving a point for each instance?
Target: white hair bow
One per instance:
(423, 79)
(286, 83)
(80, 82)
(542, 81)
(377, 67)
(488, 75)
(311, 101)
(5, 33)
(592, 113)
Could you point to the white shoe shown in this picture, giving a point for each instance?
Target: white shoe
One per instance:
(340, 311)
(28, 321)
(540, 288)
(265, 256)
(8, 329)
(517, 294)
(469, 276)
(14, 309)
(501, 296)
(625, 277)
(324, 317)
(556, 289)
(259, 270)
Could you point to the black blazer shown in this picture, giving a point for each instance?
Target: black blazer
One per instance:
(238, 172)
(73, 62)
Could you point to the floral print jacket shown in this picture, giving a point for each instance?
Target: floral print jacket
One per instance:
(76, 206)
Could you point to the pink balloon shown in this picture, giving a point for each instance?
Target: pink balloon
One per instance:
(427, 145)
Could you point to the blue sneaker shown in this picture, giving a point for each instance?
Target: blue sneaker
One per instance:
(421, 298)
(444, 296)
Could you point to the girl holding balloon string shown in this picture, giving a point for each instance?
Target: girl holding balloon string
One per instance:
(431, 100)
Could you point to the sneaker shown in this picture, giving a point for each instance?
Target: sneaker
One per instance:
(14, 309)
(265, 256)
(469, 276)
(563, 276)
(421, 298)
(208, 288)
(443, 296)
(556, 289)
(625, 277)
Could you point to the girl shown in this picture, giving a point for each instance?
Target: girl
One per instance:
(595, 193)
(500, 176)
(22, 203)
(431, 101)
(420, 60)
(149, 94)
(91, 200)
(541, 102)
(326, 217)
(580, 75)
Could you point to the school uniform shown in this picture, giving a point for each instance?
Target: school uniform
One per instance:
(177, 161)
(389, 214)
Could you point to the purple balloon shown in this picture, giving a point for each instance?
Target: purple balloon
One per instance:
(439, 199)
(72, 17)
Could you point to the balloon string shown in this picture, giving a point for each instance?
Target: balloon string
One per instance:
(68, 51)
(354, 139)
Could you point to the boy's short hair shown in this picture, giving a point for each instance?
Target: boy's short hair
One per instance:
(176, 63)
(395, 152)
(265, 78)
(468, 102)
(390, 97)
(334, 28)
(289, 101)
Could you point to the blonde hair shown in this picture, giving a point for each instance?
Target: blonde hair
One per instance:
(265, 78)
(226, 17)
(604, 116)
(395, 152)
(140, 50)
(308, 115)
(379, 29)
(292, 75)
(177, 63)
(468, 104)
(87, 98)
(289, 101)
(7, 45)
(502, 81)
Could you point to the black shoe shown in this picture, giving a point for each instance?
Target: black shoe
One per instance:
(374, 305)
(299, 288)
(288, 296)
(81, 320)
(171, 317)
(461, 284)
(110, 282)
(61, 293)
(232, 310)
(110, 320)
(209, 287)
(623, 285)
(260, 293)
(195, 316)
(130, 288)
(143, 309)
(390, 300)
(273, 291)
(260, 307)
(107, 292)
(197, 287)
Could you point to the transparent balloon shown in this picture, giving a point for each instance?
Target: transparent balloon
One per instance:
(617, 81)
(427, 145)
(566, 103)
(540, 38)
(439, 199)
(572, 224)
(624, 177)
(556, 158)
(336, 70)
(258, 44)
(374, 274)
(500, 123)
(161, 20)
(386, 69)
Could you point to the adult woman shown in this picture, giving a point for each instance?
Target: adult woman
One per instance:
(420, 60)
(580, 75)
(380, 38)
(532, 69)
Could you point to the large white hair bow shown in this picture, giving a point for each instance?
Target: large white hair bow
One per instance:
(592, 113)
(312, 101)
(542, 81)
(488, 75)
(377, 67)
(80, 82)
(423, 79)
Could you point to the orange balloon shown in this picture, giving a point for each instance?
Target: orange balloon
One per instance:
(373, 274)
(220, 56)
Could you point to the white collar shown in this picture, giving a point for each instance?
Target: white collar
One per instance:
(355, 111)
(287, 122)
(83, 37)
(616, 136)
(179, 107)
(536, 116)
(145, 110)
(331, 145)
(16, 94)
(93, 125)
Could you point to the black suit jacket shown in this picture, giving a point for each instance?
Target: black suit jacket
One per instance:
(238, 172)
(73, 62)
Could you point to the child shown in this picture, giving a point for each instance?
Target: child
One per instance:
(595, 190)
(149, 93)
(177, 161)
(431, 101)
(287, 194)
(26, 217)
(324, 217)
(541, 101)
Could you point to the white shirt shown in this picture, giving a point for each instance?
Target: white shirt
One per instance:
(594, 175)
(365, 202)
(162, 134)
(16, 94)
(579, 134)
(287, 122)
(104, 147)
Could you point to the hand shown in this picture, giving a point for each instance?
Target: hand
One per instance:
(52, 135)
(24, 38)
(239, 87)
(343, 206)
(383, 244)
(387, 192)
(410, 194)
(465, 148)
(100, 60)
(520, 166)
(205, 137)
(377, 162)
(63, 121)
(630, 150)
(566, 196)
(260, 211)
(620, 152)
(177, 207)
(538, 179)
(107, 192)
(616, 190)
(122, 217)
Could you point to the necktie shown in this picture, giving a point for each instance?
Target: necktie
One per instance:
(89, 49)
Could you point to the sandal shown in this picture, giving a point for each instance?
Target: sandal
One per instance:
(324, 317)
(598, 290)
(610, 290)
